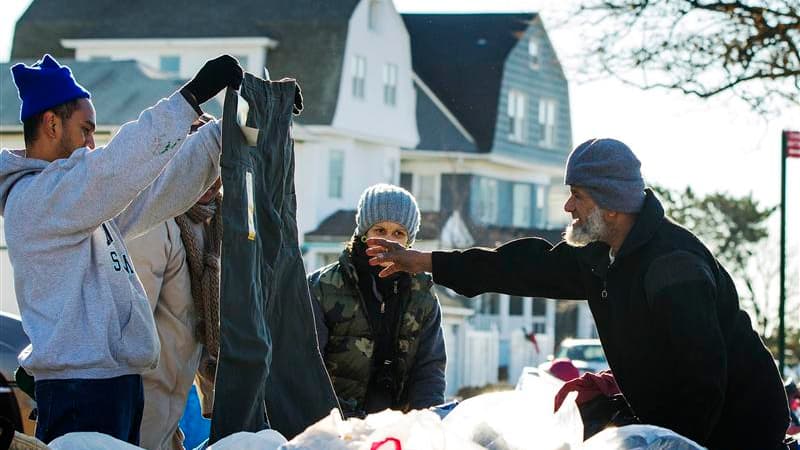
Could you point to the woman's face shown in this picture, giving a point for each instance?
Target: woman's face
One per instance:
(389, 230)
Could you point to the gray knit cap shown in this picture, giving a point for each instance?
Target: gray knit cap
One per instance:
(386, 202)
(610, 172)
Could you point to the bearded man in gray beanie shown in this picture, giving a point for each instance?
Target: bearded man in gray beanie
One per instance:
(381, 338)
(683, 353)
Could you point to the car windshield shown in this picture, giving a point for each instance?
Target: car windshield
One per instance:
(583, 353)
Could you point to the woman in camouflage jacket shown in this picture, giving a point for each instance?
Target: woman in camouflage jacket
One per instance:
(381, 338)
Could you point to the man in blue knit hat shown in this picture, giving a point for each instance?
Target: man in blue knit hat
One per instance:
(69, 208)
(683, 353)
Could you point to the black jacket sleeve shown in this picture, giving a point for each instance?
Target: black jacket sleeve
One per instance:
(528, 267)
(426, 381)
(681, 289)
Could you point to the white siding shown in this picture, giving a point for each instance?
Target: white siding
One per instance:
(365, 164)
(388, 43)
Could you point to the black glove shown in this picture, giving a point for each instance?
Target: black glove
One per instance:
(214, 76)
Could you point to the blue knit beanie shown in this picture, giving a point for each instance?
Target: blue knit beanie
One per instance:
(386, 202)
(44, 85)
(610, 172)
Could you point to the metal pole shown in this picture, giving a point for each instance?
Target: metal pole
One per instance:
(782, 307)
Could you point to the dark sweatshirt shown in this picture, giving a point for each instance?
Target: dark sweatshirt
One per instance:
(683, 352)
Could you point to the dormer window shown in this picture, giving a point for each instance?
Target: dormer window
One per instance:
(533, 53)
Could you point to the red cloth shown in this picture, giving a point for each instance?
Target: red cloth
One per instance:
(532, 337)
(588, 386)
(563, 369)
(396, 442)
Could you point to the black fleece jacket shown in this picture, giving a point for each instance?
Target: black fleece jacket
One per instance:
(683, 353)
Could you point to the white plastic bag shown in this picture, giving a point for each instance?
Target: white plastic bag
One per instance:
(640, 437)
(93, 441)
(518, 420)
(263, 440)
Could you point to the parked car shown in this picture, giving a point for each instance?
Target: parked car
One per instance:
(586, 354)
(15, 405)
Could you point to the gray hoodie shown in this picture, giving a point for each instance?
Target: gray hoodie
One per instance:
(66, 223)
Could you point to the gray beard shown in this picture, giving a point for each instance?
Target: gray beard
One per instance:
(592, 230)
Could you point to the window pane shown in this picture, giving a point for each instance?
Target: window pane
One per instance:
(426, 192)
(522, 205)
(533, 53)
(359, 76)
(406, 180)
(490, 304)
(539, 307)
(515, 306)
(390, 84)
(170, 64)
(373, 14)
(335, 174)
(540, 214)
(516, 113)
(547, 121)
(487, 200)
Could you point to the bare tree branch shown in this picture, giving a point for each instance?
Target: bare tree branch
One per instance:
(698, 47)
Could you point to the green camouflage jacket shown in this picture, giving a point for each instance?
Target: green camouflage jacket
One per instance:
(347, 343)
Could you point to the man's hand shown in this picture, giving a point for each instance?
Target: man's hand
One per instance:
(400, 259)
(215, 75)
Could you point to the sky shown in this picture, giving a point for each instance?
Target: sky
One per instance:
(710, 145)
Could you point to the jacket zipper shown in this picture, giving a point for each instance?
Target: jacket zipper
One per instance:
(383, 302)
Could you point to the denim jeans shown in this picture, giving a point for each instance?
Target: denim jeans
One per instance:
(112, 406)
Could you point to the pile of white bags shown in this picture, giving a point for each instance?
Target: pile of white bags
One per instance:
(511, 420)
(386, 430)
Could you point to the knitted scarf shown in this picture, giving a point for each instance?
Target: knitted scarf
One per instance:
(204, 269)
